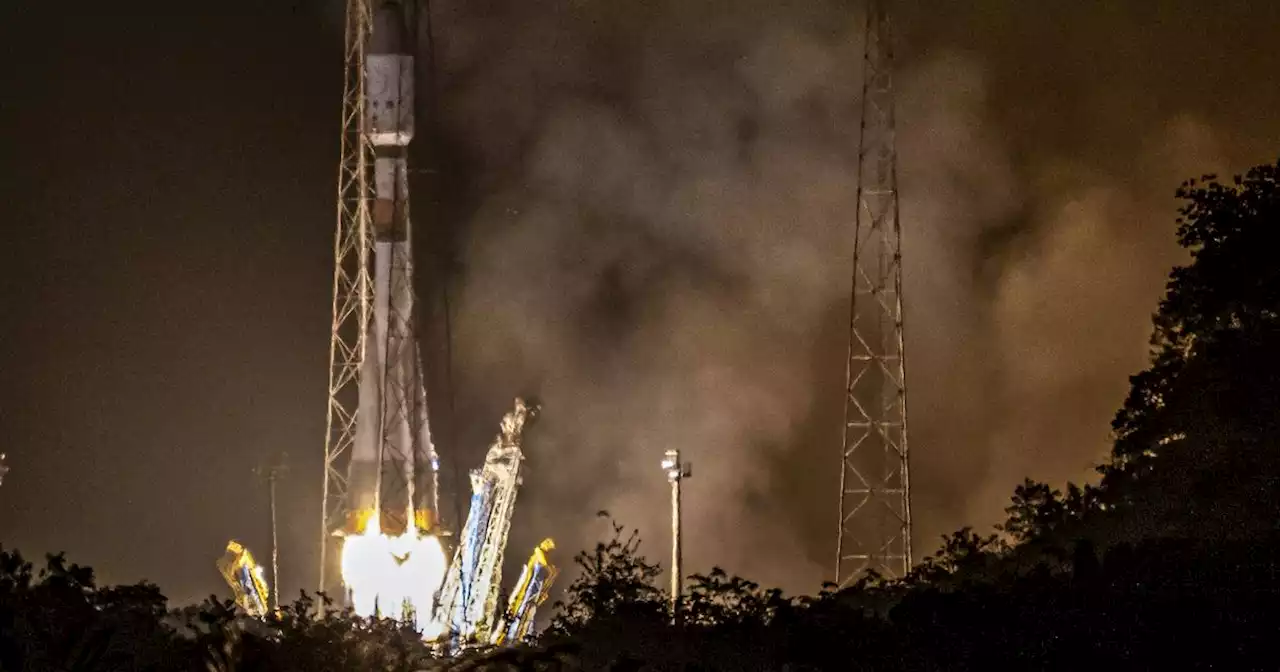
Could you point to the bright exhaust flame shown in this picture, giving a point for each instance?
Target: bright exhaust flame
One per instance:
(393, 577)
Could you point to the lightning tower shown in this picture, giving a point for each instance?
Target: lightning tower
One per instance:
(875, 490)
(380, 473)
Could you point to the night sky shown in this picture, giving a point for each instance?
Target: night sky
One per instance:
(643, 216)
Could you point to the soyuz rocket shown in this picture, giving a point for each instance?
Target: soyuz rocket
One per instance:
(391, 557)
(393, 473)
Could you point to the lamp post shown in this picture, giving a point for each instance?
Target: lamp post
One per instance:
(676, 471)
(272, 473)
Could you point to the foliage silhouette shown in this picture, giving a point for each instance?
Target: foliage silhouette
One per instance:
(1202, 416)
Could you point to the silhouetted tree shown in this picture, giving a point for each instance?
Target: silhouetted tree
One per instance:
(964, 554)
(1195, 438)
(58, 619)
(719, 600)
(614, 582)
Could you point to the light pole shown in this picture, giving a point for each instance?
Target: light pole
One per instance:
(676, 471)
(272, 473)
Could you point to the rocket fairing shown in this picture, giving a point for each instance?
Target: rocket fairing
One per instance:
(393, 467)
(389, 76)
(389, 105)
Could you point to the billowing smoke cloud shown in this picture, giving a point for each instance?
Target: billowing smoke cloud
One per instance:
(655, 235)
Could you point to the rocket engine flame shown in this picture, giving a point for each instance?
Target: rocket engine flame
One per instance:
(395, 577)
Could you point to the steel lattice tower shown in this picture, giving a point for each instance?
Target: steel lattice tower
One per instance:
(875, 491)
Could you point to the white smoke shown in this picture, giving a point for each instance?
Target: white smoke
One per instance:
(659, 250)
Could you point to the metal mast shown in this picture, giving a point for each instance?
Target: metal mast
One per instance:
(676, 472)
(272, 473)
(875, 491)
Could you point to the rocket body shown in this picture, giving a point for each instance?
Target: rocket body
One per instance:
(393, 462)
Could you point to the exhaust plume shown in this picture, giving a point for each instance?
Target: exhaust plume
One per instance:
(655, 236)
